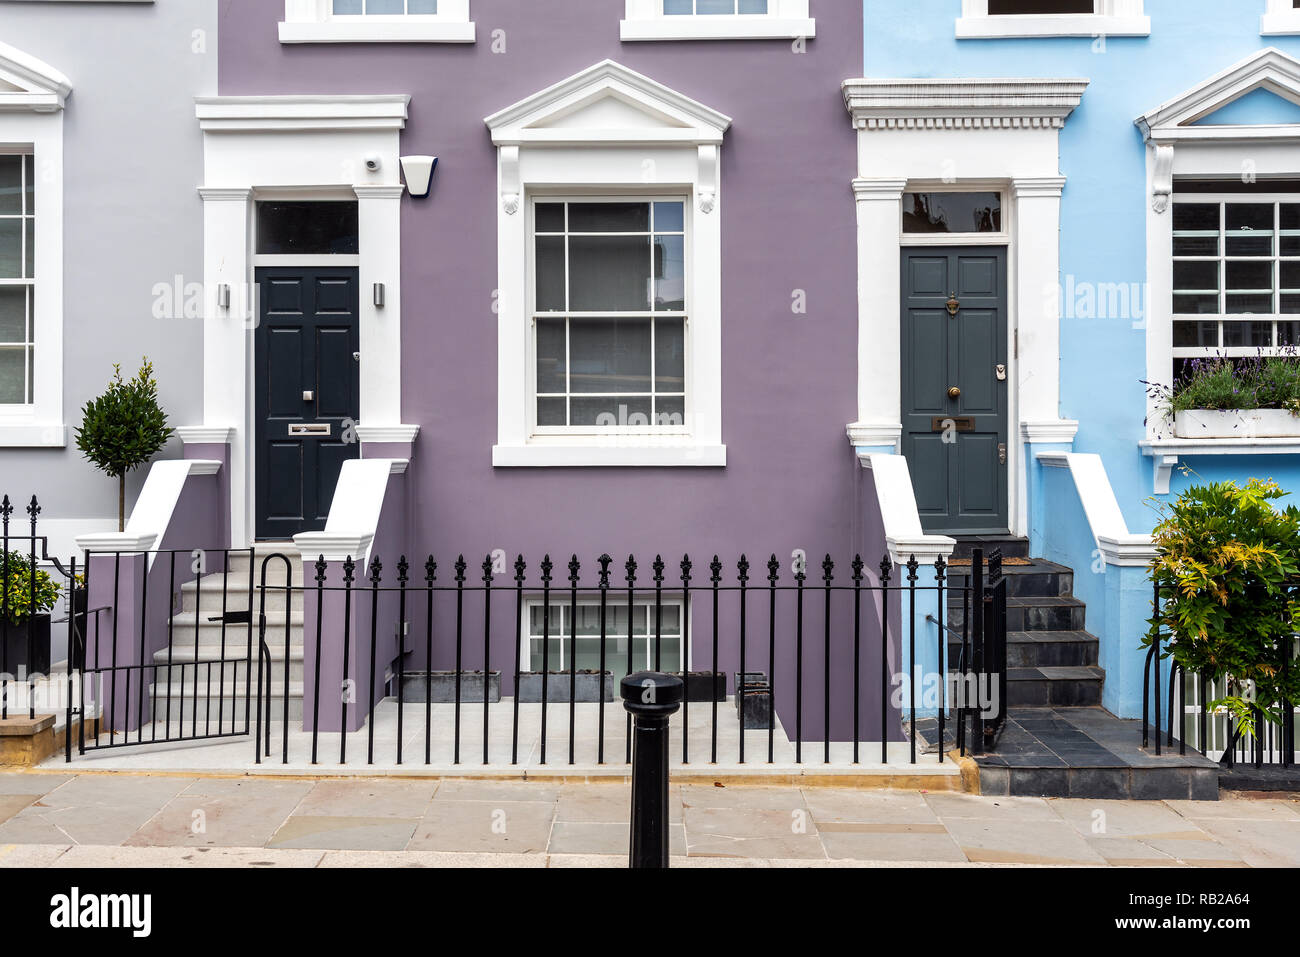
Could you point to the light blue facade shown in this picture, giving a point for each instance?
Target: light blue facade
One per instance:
(1103, 245)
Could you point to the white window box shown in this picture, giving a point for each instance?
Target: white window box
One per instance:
(1236, 424)
(1281, 18)
(313, 21)
(1112, 18)
(785, 20)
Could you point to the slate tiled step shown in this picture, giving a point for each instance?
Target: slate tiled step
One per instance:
(1063, 687)
(1042, 578)
(1011, 547)
(1044, 649)
(1035, 614)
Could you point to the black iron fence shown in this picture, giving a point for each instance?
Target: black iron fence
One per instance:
(1185, 704)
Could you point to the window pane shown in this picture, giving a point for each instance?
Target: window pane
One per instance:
(609, 217)
(13, 314)
(29, 256)
(609, 357)
(715, 6)
(999, 8)
(550, 217)
(609, 273)
(384, 6)
(670, 217)
(611, 412)
(1196, 277)
(551, 367)
(426, 7)
(1249, 229)
(1290, 221)
(1288, 333)
(670, 274)
(678, 7)
(29, 163)
(1247, 334)
(1291, 275)
(1196, 305)
(952, 212)
(670, 412)
(552, 412)
(11, 185)
(1196, 229)
(1250, 275)
(752, 6)
(11, 248)
(670, 355)
(550, 273)
(347, 7)
(1196, 334)
(307, 228)
(13, 376)
(1239, 304)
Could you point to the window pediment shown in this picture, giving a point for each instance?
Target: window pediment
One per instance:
(29, 84)
(610, 104)
(1177, 119)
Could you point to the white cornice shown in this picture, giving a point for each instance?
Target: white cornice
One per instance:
(117, 543)
(205, 435)
(874, 434)
(1055, 432)
(1127, 551)
(243, 114)
(886, 190)
(960, 104)
(40, 87)
(335, 547)
(388, 433)
(676, 118)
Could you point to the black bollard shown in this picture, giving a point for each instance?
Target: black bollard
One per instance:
(651, 699)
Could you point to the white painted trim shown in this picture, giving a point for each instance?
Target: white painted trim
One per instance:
(896, 498)
(32, 435)
(785, 20)
(970, 104)
(313, 21)
(354, 513)
(205, 435)
(298, 146)
(388, 433)
(1115, 18)
(123, 543)
(568, 139)
(1109, 530)
(1279, 19)
(1166, 453)
(870, 434)
(1053, 431)
(609, 456)
(153, 509)
(41, 88)
(244, 114)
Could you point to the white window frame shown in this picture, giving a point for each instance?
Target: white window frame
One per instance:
(31, 120)
(1279, 19)
(1115, 18)
(1224, 318)
(608, 131)
(314, 21)
(638, 197)
(785, 20)
(560, 602)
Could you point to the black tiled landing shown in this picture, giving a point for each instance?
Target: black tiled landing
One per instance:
(1086, 753)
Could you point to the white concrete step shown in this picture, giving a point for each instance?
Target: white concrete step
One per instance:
(208, 595)
(184, 704)
(236, 665)
(210, 632)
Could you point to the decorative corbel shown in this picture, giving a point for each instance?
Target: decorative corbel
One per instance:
(708, 178)
(1162, 178)
(511, 188)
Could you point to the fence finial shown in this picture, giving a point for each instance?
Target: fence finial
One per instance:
(430, 570)
(460, 567)
(321, 565)
(858, 566)
(773, 570)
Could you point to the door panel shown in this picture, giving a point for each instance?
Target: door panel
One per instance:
(955, 445)
(307, 375)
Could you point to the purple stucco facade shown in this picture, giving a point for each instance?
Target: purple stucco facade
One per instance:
(789, 387)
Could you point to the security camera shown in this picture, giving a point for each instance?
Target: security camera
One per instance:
(373, 162)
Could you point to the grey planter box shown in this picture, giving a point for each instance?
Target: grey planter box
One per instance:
(753, 701)
(16, 638)
(592, 686)
(704, 686)
(441, 686)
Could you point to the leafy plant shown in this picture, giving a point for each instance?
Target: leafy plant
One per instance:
(1227, 567)
(124, 428)
(1221, 384)
(16, 573)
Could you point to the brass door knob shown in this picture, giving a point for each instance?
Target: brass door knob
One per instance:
(954, 393)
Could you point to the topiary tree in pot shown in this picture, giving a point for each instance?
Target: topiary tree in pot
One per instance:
(29, 594)
(124, 428)
(1227, 567)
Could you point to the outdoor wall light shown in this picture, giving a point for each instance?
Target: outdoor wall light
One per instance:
(223, 295)
(379, 295)
(419, 174)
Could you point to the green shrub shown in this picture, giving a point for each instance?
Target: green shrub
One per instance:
(1222, 384)
(18, 606)
(1226, 565)
(124, 428)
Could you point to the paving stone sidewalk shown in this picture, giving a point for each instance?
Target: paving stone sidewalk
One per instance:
(171, 821)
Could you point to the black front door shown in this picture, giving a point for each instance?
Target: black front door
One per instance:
(954, 344)
(308, 388)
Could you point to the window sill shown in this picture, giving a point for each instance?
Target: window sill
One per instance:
(1060, 25)
(718, 28)
(609, 456)
(1279, 24)
(27, 435)
(382, 32)
(1167, 452)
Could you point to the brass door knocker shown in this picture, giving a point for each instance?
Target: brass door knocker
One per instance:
(954, 304)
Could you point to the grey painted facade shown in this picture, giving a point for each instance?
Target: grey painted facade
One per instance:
(132, 159)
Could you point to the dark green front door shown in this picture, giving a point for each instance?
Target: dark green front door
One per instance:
(308, 394)
(955, 372)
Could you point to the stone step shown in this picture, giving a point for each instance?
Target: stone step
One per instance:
(209, 596)
(1038, 649)
(235, 668)
(1039, 579)
(1064, 687)
(1011, 547)
(210, 632)
(230, 703)
(1058, 613)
